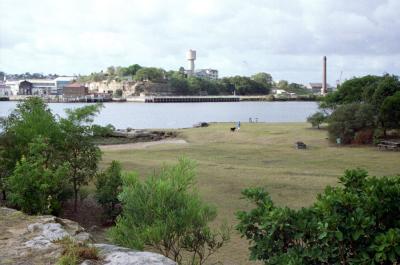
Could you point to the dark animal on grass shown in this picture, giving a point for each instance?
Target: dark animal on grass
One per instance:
(233, 129)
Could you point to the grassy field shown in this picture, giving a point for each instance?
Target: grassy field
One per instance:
(258, 155)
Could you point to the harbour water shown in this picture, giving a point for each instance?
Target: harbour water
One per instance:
(183, 115)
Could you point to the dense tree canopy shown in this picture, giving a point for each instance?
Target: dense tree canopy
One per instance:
(374, 95)
(263, 78)
(151, 74)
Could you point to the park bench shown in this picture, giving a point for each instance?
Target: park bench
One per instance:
(300, 145)
(389, 145)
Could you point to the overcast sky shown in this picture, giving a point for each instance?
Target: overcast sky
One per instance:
(286, 38)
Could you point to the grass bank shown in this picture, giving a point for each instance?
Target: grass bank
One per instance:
(258, 155)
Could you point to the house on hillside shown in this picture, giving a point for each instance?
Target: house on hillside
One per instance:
(75, 90)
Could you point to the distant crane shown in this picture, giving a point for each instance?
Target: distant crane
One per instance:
(339, 81)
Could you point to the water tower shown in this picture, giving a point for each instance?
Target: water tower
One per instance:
(191, 56)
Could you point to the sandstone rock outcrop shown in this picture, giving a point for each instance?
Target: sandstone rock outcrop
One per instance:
(31, 240)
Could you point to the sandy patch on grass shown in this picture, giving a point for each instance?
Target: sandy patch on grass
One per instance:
(141, 145)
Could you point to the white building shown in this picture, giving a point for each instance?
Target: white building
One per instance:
(42, 87)
(5, 91)
(14, 86)
(209, 73)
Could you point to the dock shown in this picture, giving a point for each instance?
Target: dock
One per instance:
(183, 99)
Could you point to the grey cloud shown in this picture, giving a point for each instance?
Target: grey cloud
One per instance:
(284, 37)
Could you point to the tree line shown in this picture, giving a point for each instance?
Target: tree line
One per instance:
(362, 110)
(182, 84)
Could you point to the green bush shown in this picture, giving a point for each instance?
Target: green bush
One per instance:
(30, 119)
(347, 120)
(358, 223)
(108, 186)
(165, 213)
(36, 185)
(316, 119)
(102, 131)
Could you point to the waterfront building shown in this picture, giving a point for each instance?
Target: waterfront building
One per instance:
(5, 91)
(75, 90)
(60, 82)
(14, 86)
(25, 88)
(43, 87)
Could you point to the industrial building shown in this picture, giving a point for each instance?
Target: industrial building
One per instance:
(75, 90)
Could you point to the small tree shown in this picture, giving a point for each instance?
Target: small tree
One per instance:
(37, 186)
(166, 214)
(316, 119)
(79, 150)
(30, 119)
(354, 224)
(108, 186)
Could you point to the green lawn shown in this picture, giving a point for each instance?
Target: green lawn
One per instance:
(258, 155)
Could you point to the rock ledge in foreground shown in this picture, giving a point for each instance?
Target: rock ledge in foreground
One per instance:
(29, 240)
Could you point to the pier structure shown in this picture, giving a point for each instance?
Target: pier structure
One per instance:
(177, 99)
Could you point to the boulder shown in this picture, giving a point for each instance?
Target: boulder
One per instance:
(113, 255)
(31, 240)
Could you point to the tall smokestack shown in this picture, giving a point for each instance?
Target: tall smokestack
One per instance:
(324, 88)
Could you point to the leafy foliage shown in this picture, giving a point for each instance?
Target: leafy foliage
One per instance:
(108, 186)
(102, 131)
(165, 213)
(316, 119)
(357, 223)
(377, 92)
(40, 154)
(390, 111)
(347, 120)
(78, 149)
(26, 123)
(37, 186)
(264, 79)
(150, 73)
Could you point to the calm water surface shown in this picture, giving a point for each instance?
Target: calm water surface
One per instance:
(182, 115)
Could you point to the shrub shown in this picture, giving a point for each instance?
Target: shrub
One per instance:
(36, 185)
(358, 223)
(316, 119)
(102, 131)
(108, 186)
(165, 213)
(349, 119)
(30, 119)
